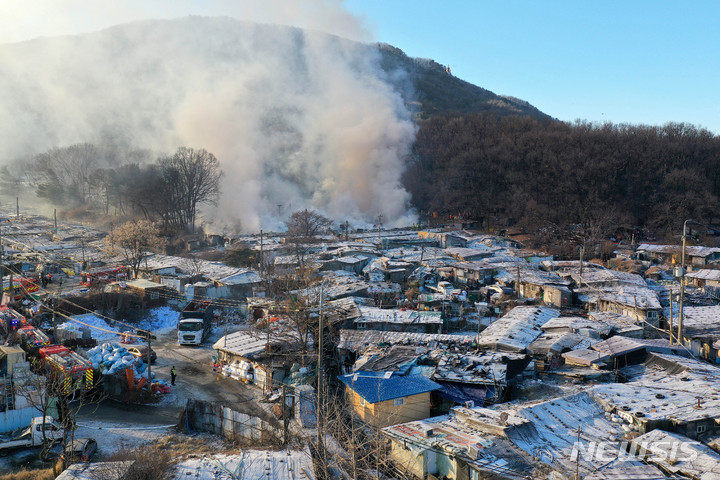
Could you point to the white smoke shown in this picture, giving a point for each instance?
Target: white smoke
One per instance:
(297, 118)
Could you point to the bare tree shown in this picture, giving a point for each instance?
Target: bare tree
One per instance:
(303, 228)
(60, 394)
(133, 241)
(63, 174)
(308, 224)
(195, 176)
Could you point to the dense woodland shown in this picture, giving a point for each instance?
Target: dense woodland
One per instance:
(86, 179)
(577, 181)
(580, 179)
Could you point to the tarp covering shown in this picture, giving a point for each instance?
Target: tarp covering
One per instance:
(460, 393)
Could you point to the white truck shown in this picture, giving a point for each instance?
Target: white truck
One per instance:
(32, 436)
(195, 323)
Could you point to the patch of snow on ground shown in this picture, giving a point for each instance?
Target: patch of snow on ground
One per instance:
(112, 437)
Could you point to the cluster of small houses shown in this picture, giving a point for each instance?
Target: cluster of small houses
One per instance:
(473, 355)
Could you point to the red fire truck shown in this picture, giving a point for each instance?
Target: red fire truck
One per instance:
(103, 275)
(21, 287)
(76, 370)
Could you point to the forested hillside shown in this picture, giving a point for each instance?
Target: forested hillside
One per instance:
(581, 177)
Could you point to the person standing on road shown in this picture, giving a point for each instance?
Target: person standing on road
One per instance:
(173, 374)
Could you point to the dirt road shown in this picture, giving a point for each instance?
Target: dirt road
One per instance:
(195, 380)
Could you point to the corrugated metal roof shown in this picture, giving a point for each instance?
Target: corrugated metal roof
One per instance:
(249, 464)
(357, 340)
(374, 389)
(517, 329)
(705, 274)
(693, 460)
(395, 316)
(244, 344)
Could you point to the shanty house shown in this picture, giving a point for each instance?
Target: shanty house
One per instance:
(249, 357)
(383, 399)
(515, 331)
(153, 294)
(401, 320)
(706, 279)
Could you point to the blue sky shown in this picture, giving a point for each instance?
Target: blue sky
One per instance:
(624, 62)
(633, 61)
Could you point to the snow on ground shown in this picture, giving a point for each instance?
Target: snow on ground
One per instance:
(160, 320)
(112, 437)
(101, 330)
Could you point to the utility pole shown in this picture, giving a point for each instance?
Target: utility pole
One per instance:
(2, 268)
(671, 318)
(681, 274)
(286, 420)
(262, 253)
(582, 252)
(577, 459)
(55, 215)
(149, 362)
(517, 284)
(17, 208)
(319, 413)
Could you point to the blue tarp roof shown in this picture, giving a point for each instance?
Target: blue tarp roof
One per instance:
(374, 389)
(461, 393)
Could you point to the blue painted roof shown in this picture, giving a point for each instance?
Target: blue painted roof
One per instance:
(373, 388)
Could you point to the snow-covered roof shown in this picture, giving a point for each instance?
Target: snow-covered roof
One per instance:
(453, 436)
(666, 397)
(244, 344)
(558, 343)
(630, 296)
(705, 274)
(619, 345)
(95, 470)
(605, 277)
(217, 271)
(703, 321)
(691, 460)
(352, 259)
(585, 356)
(554, 434)
(691, 251)
(255, 464)
(576, 324)
(461, 253)
(667, 249)
(474, 266)
(397, 316)
(358, 340)
(482, 369)
(517, 329)
(532, 276)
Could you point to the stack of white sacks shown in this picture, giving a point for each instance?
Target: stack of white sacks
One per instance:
(238, 371)
(111, 358)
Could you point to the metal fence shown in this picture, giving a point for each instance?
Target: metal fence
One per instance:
(231, 424)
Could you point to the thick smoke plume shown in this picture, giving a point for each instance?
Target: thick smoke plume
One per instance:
(297, 118)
